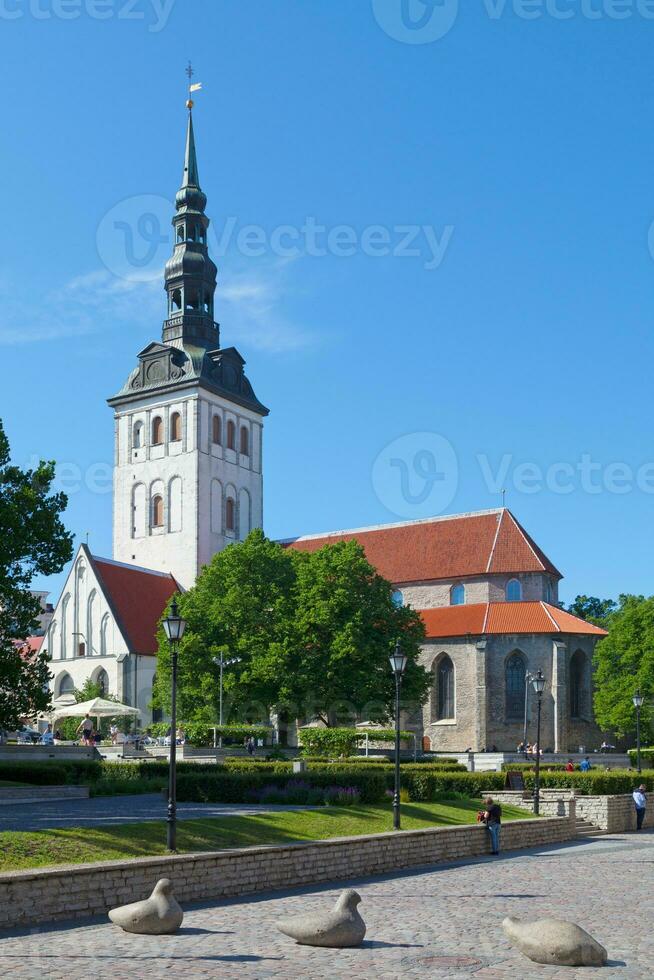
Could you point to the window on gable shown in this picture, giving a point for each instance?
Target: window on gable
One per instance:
(458, 594)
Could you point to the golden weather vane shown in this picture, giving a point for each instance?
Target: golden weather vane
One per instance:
(191, 86)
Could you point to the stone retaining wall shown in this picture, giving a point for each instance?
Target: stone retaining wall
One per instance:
(79, 891)
(11, 795)
(614, 814)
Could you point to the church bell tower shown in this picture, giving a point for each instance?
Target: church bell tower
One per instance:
(188, 426)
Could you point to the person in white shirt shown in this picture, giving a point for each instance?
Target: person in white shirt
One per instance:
(640, 802)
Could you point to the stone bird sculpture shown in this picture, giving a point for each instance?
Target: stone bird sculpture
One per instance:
(340, 928)
(555, 941)
(157, 915)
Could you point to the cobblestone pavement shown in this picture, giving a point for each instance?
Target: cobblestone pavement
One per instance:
(101, 811)
(440, 922)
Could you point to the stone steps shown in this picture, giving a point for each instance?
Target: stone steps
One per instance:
(585, 828)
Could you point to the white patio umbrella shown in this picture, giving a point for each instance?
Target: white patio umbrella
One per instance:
(96, 707)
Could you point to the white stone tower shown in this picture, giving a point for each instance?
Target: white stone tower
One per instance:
(188, 426)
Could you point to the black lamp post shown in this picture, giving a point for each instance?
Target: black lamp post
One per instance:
(398, 661)
(174, 627)
(638, 700)
(539, 686)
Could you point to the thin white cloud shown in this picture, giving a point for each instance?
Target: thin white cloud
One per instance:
(249, 306)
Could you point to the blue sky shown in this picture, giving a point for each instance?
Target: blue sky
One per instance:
(512, 157)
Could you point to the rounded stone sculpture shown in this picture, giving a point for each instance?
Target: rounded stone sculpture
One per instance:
(158, 915)
(555, 942)
(340, 928)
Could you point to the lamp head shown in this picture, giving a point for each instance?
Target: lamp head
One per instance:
(398, 660)
(638, 699)
(538, 682)
(173, 624)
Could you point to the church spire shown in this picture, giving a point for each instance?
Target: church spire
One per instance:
(190, 275)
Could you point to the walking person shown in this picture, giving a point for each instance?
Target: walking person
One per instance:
(493, 820)
(640, 802)
(86, 728)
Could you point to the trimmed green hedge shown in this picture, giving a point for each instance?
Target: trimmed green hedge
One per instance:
(526, 766)
(237, 787)
(595, 782)
(342, 741)
(52, 773)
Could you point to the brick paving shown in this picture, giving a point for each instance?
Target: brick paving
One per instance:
(440, 922)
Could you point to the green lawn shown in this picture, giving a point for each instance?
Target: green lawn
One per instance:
(78, 845)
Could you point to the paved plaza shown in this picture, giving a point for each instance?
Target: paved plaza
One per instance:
(441, 922)
(105, 811)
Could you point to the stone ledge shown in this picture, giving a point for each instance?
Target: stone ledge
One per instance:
(13, 795)
(230, 873)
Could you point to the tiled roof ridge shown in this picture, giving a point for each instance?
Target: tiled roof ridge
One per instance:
(497, 534)
(466, 515)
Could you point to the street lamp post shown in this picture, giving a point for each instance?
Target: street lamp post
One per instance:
(174, 627)
(638, 703)
(223, 662)
(528, 677)
(539, 686)
(398, 661)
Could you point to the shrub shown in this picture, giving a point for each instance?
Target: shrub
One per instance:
(341, 742)
(118, 787)
(594, 783)
(526, 766)
(56, 772)
(230, 786)
(646, 757)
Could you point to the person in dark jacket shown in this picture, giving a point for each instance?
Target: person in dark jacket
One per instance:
(493, 821)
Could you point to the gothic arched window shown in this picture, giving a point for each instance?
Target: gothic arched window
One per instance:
(231, 435)
(445, 682)
(513, 591)
(157, 431)
(138, 435)
(65, 685)
(230, 514)
(245, 441)
(217, 430)
(175, 427)
(458, 595)
(514, 675)
(102, 680)
(577, 684)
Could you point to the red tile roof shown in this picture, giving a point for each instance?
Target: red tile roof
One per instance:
(443, 547)
(137, 597)
(490, 618)
(30, 645)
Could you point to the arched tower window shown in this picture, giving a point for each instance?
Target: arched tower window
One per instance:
(577, 684)
(513, 591)
(245, 441)
(231, 435)
(230, 514)
(157, 431)
(175, 300)
(157, 510)
(397, 598)
(217, 430)
(445, 684)
(458, 595)
(514, 678)
(137, 440)
(175, 427)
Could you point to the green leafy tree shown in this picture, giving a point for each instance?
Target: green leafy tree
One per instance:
(33, 541)
(593, 610)
(312, 634)
(624, 662)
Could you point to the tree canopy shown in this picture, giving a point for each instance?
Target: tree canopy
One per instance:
(312, 634)
(593, 610)
(624, 662)
(33, 541)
